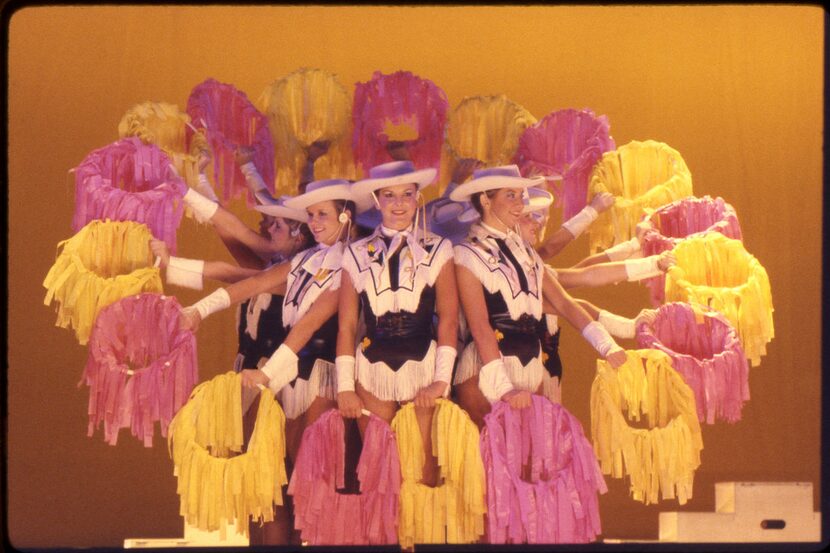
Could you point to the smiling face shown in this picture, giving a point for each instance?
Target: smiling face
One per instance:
(397, 205)
(532, 225)
(503, 210)
(278, 231)
(323, 222)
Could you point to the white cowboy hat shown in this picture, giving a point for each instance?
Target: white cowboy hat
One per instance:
(506, 176)
(391, 174)
(278, 209)
(320, 191)
(538, 200)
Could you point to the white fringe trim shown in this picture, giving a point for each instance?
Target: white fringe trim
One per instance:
(496, 278)
(401, 385)
(552, 387)
(321, 382)
(523, 377)
(367, 276)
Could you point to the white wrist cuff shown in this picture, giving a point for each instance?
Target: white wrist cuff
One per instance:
(493, 380)
(638, 269)
(599, 338)
(444, 361)
(202, 207)
(281, 368)
(205, 188)
(623, 250)
(577, 224)
(187, 273)
(616, 325)
(216, 301)
(344, 366)
(252, 176)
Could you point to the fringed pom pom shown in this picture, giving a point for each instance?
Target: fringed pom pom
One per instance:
(326, 517)
(542, 476)
(404, 100)
(454, 511)
(639, 175)
(567, 143)
(307, 106)
(215, 489)
(130, 181)
(660, 460)
(104, 262)
(229, 120)
(664, 228)
(717, 272)
(486, 128)
(163, 125)
(704, 348)
(141, 366)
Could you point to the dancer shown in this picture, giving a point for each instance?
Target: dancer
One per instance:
(301, 370)
(532, 222)
(399, 277)
(502, 283)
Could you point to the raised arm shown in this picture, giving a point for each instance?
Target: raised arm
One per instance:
(613, 272)
(591, 330)
(575, 226)
(222, 298)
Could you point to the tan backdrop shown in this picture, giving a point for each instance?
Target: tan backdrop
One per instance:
(736, 90)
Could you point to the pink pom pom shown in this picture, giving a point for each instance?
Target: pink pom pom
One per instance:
(130, 181)
(230, 120)
(569, 143)
(140, 331)
(681, 219)
(326, 517)
(400, 97)
(558, 501)
(705, 349)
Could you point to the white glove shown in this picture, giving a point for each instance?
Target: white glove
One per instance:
(187, 273)
(255, 184)
(281, 368)
(599, 338)
(580, 222)
(616, 325)
(344, 365)
(202, 207)
(638, 269)
(216, 301)
(205, 188)
(493, 380)
(624, 250)
(444, 361)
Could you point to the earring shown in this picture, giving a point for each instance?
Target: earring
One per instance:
(343, 218)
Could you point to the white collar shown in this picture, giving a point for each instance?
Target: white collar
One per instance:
(324, 257)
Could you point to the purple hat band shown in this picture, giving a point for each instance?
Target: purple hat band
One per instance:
(392, 169)
(503, 171)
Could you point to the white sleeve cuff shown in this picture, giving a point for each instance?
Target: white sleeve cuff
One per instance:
(580, 222)
(344, 366)
(187, 273)
(493, 380)
(206, 189)
(444, 361)
(623, 250)
(202, 207)
(616, 325)
(216, 301)
(599, 338)
(638, 269)
(281, 368)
